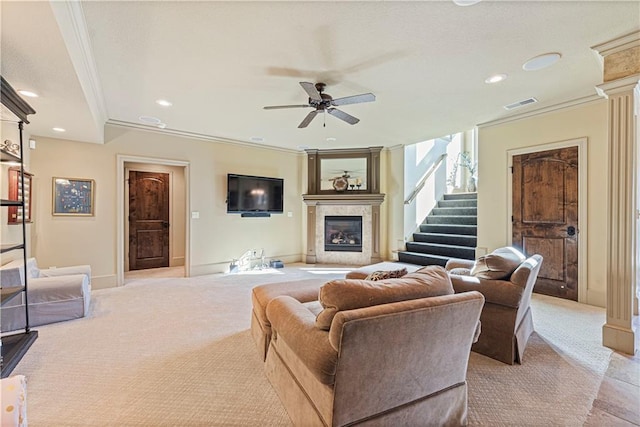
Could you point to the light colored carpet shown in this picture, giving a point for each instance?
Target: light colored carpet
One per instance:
(177, 351)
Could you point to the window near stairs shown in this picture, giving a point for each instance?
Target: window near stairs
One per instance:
(343, 233)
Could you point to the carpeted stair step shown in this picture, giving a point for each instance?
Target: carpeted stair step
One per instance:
(422, 259)
(455, 211)
(471, 203)
(460, 196)
(451, 239)
(449, 229)
(450, 251)
(452, 219)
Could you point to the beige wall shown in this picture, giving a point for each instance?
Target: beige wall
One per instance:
(216, 237)
(590, 121)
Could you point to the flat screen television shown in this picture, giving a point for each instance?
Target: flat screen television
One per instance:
(254, 194)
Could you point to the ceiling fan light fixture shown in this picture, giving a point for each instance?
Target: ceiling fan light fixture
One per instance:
(541, 61)
(496, 78)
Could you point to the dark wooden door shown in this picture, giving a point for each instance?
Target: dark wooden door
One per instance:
(545, 217)
(148, 220)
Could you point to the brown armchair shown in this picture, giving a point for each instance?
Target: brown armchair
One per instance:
(506, 316)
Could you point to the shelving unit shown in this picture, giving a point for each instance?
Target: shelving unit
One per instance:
(14, 345)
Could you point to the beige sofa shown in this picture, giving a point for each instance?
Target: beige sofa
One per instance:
(55, 294)
(392, 352)
(506, 318)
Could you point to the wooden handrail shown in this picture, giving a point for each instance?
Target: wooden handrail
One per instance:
(423, 181)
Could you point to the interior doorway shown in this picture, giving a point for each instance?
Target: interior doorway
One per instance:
(547, 207)
(156, 236)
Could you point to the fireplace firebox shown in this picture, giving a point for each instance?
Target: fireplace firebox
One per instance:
(343, 233)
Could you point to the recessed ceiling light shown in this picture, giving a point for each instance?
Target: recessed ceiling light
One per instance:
(28, 93)
(541, 61)
(59, 129)
(150, 120)
(496, 78)
(331, 139)
(257, 139)
(164, 103)
(466, 2)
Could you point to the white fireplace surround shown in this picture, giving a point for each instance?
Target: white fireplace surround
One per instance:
(333, 257)
(365, 205)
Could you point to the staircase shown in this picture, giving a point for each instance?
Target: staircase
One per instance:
(449, 231)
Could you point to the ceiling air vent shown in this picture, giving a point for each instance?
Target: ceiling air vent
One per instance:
(520, 103)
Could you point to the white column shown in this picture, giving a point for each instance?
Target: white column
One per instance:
(621, 74)
(619, 332)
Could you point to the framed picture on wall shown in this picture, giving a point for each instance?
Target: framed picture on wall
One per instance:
(73, 196)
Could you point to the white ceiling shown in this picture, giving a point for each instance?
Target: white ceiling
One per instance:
(221, 62)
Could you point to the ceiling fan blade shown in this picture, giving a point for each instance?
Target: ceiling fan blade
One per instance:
(355, 99)
(311, 90)
(308, 119)
(343, 116)
(277, 107)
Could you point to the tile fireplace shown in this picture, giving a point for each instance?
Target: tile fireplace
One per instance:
(364, 206)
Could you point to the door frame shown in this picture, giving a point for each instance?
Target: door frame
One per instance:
(121, 213)
(581, 143)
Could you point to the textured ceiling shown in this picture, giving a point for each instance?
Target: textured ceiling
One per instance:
(219, 63)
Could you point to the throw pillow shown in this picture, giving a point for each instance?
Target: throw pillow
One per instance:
(498, 265)
(381, 275)
(349, 294)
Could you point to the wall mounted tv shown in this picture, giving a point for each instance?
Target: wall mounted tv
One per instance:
(254, 195)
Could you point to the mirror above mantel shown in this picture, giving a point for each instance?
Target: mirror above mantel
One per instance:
(344, 171)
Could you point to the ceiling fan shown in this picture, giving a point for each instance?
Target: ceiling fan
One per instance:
(323, 102)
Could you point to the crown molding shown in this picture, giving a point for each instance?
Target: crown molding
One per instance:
(619, 85)
(540, 111)
(195, 135)
(73, 27)
(619, 44)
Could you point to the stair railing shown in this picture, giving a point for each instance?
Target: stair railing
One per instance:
(424, 180)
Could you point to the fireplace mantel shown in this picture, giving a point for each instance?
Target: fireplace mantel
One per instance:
(346, 198)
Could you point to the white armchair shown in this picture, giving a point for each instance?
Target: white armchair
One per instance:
(55, 294)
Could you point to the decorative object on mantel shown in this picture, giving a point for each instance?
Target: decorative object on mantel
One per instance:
(10, 147)
(341, 183)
